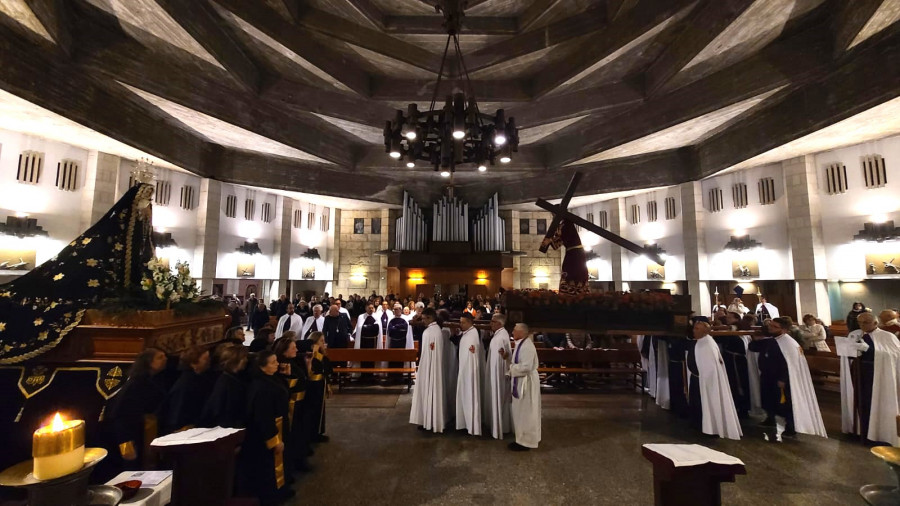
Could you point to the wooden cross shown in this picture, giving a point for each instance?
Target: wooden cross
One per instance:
(561, 212)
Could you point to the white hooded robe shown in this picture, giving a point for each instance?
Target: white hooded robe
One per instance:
(805, 406)
(469, 382)
(526, 394)
(719, 414)
(429, 400)
(885, 387)
(496, 386)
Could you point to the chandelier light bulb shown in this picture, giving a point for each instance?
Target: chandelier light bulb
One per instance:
(411, 135)
(499, 139)
(445, 173)
(410, 164)
(458, 134)
(505, 159)
(482, 168)
(395, 154)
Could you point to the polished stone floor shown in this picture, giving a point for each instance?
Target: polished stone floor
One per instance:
(590, 454)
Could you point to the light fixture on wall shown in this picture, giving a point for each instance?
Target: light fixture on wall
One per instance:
(22, 226)
(742, 243)
(458, 133)
(657, 250)
(311, 254)
(249, 248)
(878, 232)
(164, 240)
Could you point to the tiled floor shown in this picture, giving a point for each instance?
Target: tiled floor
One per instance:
(590, 454)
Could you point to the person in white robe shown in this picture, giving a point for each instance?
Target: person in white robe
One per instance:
(737, 306)
(451, 365)
(429, 400)
(870, 402)
(369, 320)
(526, 391)
(709, 380)
(289, 321)
(470, 379)
(496, 381)
(315, 323)
(765, 310)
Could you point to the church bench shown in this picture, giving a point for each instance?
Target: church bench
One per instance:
(620, 362)
(823, 365)
(341, 355)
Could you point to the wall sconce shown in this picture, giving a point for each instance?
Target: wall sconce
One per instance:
(655, 250)
(878, 232)
(311, 254)
(22, 227)
(742, 243)
(165, 240)
(416, 280)
(249, 248)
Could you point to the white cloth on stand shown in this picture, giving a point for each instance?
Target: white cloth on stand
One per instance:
(526, 390)
(495, 408)
(429, 400)
(719, 414)
(469, 382)
(807, 417)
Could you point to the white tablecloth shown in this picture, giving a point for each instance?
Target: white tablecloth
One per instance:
(158, 495)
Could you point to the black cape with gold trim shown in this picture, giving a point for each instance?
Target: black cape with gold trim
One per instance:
(38, 309)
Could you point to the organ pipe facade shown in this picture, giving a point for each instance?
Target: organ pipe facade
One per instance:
(488, 228)
(412, 228)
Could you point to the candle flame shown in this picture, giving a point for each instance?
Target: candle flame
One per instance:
(57, 424)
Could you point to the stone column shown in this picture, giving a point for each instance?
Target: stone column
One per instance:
(695, 262)
(616, 253)
(282, 255)
(206, 253)
(99, 194)
(387, 229)
(805, 232)
(514, 243)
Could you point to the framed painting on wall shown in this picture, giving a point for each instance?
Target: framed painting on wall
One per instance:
(541, 226)
(246, 269)
(309, 272)
(745, 269)
(655, 272)
(593, 272)
(881, 264)
(376, 225)
(358, 283)
(17, 259)
(359, 225)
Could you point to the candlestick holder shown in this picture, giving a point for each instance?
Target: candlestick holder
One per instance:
(71, 489)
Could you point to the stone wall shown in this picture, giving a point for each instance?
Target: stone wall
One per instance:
(355, 253)
(535, 268)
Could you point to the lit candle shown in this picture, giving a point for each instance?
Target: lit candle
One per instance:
(58, 448)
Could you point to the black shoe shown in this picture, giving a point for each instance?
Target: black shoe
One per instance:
(789, 433)
(421, 427)
(768, 422)
(322, 438)
(516, 447)
(304, 467)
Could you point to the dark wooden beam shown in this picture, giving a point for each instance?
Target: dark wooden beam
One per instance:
(298, 40)
(653, 170)
(433, 25)
(373, 40)
(65, 90)
(851, 17)
(791, 61)
(537, 10)
(303, 97)
(419, 90)
(634, 23)
(201, 21)
(838, 96)
(575, 26)
(616, 8)
(700, 28)
(609, 100)
(370, 11)
(54, 16)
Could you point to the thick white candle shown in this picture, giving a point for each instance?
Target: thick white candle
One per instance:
(58, 448)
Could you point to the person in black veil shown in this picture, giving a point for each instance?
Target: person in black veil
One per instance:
(132, 411)
(262, 453)
(293, 371)
(38, 309)
(183, 405)
(226, 406)
(317, 388)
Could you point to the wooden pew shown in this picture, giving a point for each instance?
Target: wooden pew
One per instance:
(337, 355)
(624, 363)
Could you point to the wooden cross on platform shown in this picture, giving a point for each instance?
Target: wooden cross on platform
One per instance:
(561, 212)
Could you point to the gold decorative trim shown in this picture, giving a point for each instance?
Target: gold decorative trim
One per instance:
(40, 351)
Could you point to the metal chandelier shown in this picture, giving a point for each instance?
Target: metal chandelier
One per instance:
(457, 134)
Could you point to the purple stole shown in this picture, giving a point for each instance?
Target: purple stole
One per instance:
(515, 392)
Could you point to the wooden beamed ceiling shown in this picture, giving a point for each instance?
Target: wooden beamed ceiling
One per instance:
(291, 94)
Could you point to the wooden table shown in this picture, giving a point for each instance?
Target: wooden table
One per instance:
(698, 485)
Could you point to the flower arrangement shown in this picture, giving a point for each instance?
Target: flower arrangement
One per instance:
(167, 286)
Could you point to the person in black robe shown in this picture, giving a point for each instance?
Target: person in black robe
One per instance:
(184, 403)
(226, 406)
(369, 334)
(734, 353)
(695, 404)
(336, 328)
(260, 317)
(132, 412)
(677, 348)
(774, 384)
(262, 340)
(857, 309)
(317, 387)
(302, 309)
(293, 372)
(397, 330)
(262, 453)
